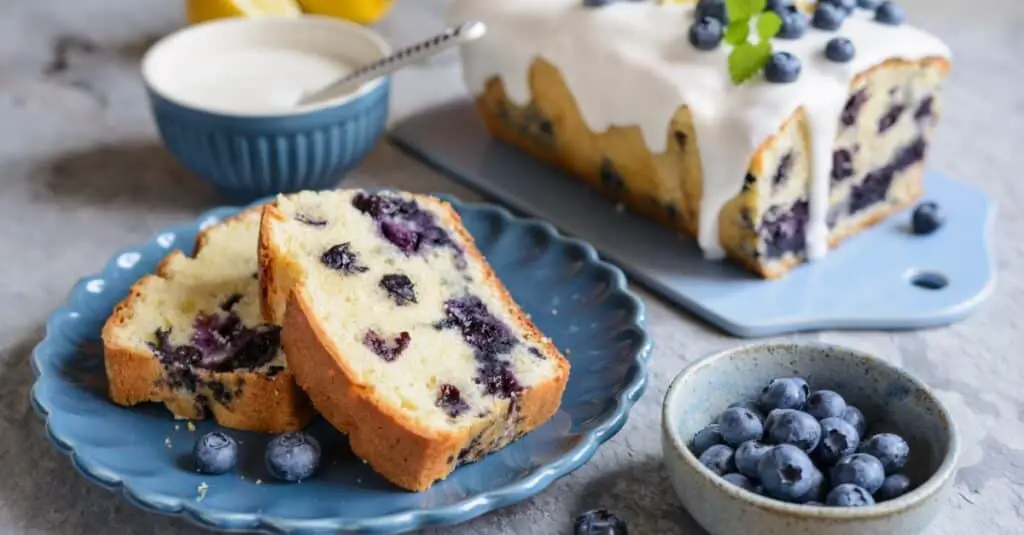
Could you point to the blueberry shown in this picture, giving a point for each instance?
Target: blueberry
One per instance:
(890, 13)
(828, 17)
(782, 68)
(794, 24)
(706, 33)
(712, 8)
(748, 455)
(797, 428)
(784, 393)
(817, 490)
(341, 258)
(739, 480)
(778, 6)
(859, 469)
(450, 400)
(847, 495)
(599, 522)
(838, 439)
(839, 50)
(739, 425)
(215, 453)
(399, 287)
(749, 404)
(893, 486)
(786, 472)
(868, 4)
(854, 417)
(891, 450)
(926, 219)
(773, 417)
(388, 350)
(705, 438)
(846, 5)
(823, 404)
(293, 456)
(597, 3)
(719, 459)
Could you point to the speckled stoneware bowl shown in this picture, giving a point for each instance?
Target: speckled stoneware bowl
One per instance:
(890, 399)
(247, 155)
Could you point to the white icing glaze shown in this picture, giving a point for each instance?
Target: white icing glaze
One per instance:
(630, 63)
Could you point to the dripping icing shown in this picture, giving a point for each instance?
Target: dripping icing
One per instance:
(629, 64)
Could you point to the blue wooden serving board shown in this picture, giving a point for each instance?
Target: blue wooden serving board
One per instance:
(868, 283)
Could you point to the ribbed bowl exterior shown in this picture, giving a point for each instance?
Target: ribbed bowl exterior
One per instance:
(248, 157)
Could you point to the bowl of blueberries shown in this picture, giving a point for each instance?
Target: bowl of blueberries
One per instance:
(801, 439)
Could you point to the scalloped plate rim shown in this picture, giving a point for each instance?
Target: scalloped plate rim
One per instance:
(458, 512)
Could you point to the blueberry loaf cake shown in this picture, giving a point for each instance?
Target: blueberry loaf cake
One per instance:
(192, 337)
(402, 335)
(638, 99)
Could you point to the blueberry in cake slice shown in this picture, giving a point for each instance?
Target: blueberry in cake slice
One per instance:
(191, 337)
(400, 332)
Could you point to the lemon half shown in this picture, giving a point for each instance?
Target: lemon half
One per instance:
(203, 10)
(360, 11)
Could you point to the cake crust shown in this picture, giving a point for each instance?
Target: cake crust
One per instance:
(407, 453)
(260, 402)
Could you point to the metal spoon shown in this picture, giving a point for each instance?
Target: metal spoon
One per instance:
(456, 35)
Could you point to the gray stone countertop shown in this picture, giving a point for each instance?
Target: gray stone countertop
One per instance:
(82, 174)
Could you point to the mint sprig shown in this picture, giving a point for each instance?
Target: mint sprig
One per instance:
(747, 57)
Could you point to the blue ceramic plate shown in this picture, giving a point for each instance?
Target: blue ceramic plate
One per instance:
(579, 301)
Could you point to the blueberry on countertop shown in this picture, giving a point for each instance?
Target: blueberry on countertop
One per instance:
(823, 404)
(786, 472)
(739, 480)
(599, 522)
(828, 17)
(846, 5)
(859, 469)
(847, 495)
(840, 50)
(293, 456)
(797, 428)
(215, 453)
(868, 4)
(892, 487)
(891, 450)
(838, 439)
(794, 24)
(705, 438)
(706, 33)
(712, 8)
(890, 13)
(854, 417)
(784, 392)
(720, 459)
(739, 425)
(926, 219)
(748, 455)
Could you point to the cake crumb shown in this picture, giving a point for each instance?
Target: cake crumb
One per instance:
(568, 351)
(259, 481)
(177, 427)
(619, 207)
(201, 491)
(554, 311)
(191, 426)
(167, 442)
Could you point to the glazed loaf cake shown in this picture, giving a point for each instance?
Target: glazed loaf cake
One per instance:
(402, 336)
(769, 174)
(191, 337)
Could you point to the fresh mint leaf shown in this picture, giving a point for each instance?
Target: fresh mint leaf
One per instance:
(737, 33)
(768, 25)
(747, 59)
(743, 9)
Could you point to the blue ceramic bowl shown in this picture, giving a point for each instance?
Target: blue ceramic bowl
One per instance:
(223, 92)
(579, 301)
(891, 399)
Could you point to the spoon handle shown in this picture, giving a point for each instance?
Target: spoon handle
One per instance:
(456, 35)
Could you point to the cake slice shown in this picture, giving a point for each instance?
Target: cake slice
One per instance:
(191, 337)
(400, 332)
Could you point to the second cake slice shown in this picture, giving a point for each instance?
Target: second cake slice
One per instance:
(400, 332)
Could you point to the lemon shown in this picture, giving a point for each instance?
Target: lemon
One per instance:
(202, 10)
(361, 11)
